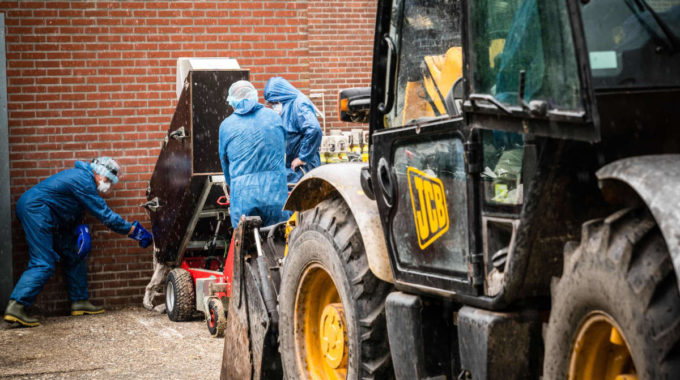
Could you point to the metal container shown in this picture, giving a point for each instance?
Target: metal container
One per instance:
(187, 164)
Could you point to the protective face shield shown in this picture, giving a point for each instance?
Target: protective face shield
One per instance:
(104, 186)
(106, 167)
(240, 91)
(277, 107)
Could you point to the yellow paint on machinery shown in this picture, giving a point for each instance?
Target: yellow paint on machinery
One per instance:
(442, 72)
(334, 335)
(320, 328)
(290, 226)
(430, 213)
(600, 351)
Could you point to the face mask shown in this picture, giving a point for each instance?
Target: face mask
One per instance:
(104, 186)
(277, 107)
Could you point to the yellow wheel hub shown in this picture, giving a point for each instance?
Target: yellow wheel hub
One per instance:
(320, 328)
(600, 351)
(333, 335)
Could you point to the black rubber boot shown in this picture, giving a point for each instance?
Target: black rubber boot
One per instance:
(85, 307)
(15, 312)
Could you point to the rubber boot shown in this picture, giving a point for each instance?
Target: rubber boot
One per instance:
(85, 307)
(15, 312)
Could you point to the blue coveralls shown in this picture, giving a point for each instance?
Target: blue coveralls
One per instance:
(49, 213)
(302, 127)
(252, 146)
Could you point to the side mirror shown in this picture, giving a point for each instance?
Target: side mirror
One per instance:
(354, 104)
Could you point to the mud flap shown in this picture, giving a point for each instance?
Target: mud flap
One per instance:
(250, 338)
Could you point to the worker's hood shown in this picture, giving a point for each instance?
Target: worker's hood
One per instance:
(279, 90)
(246, 106)
(84, 166)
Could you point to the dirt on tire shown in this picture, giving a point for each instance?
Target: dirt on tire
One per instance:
(217, 311)
(621, 268)
(184, 295)
(328, 236)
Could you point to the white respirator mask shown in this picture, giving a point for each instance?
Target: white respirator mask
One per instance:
(277, 107)
(104, 186)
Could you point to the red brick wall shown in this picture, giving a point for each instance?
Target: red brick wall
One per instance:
(340, 50)
(98, 78)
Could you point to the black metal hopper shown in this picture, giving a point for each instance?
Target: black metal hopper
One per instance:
(188, 179)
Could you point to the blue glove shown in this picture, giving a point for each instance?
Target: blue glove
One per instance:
(84, 244)
(140, 234)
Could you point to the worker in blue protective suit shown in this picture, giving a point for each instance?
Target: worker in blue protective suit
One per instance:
(51, 214)
(252, 150)
(302, 127)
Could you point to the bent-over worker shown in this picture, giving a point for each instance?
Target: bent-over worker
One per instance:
(303, 132)
(252, 149)
(51, 214)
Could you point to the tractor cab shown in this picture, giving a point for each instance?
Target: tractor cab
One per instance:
(461, 93)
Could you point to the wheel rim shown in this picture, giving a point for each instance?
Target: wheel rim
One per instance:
(600, 351)
(212, 318)
(170, 296)
(320, 328)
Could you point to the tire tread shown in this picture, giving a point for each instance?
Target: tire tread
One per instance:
(333, 218)
(184, 295)
(220, 315)
(625, 248)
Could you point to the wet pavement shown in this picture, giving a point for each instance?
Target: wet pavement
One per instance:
(130, 343)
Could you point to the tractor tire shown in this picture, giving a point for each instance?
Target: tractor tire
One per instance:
(179, 295)
(332, 308)
(616, 308)
(216, 318)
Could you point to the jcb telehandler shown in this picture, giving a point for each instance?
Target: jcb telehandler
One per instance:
(519, 217)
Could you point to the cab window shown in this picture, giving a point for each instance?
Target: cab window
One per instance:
(524, 44)
(427, 36)
(502, 182)
(633, 43)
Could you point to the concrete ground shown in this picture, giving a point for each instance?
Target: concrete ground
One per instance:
(131, 343)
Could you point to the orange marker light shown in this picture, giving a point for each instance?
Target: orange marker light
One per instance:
(344, 105)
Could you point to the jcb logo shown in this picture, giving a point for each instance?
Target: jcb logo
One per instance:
(429, 206)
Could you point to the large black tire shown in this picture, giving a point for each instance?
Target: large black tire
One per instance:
(328, 236)
(180, 296)
(622, 270)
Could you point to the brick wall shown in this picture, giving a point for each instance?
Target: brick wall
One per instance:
(340, 50)
(90, 78)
